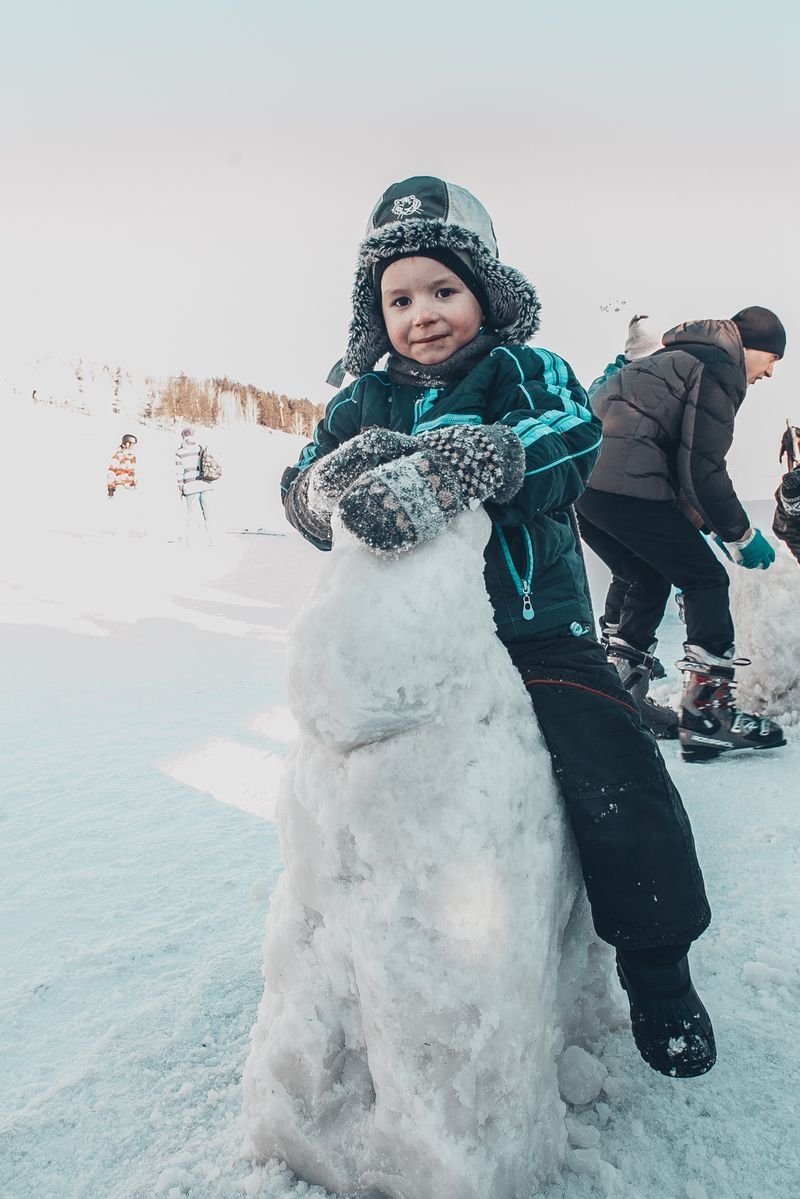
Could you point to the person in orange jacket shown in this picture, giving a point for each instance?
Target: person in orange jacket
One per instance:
(122, 467)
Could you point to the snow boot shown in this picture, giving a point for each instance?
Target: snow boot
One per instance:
(710, 723)
(636, 668)
(670, 1025)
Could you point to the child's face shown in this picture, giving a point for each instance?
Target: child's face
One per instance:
(429, 313)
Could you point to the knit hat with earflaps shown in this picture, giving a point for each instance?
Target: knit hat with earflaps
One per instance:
(427, 216)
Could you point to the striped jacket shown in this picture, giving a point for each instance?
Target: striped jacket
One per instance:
(534, 572)
(187, 469)
(122, 469)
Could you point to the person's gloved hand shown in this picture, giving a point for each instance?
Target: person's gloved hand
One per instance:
(753, 551)
(330, 478)
(402, 503)
(111, 490)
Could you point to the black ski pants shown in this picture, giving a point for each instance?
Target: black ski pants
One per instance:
(652, 545)
(615, 598)
(633, 836)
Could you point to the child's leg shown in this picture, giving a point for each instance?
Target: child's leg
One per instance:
(633, 835)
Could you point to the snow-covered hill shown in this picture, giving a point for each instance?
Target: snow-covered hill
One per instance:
(144, 722)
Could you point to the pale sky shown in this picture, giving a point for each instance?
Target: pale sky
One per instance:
(185, 182)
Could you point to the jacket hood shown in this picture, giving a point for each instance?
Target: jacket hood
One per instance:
(722, 334)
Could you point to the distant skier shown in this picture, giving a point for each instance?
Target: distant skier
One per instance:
(465, 413)
(668, 424)
(191, 486)
(121, 482)
(121, 474)
(786, 522)
(644, 338)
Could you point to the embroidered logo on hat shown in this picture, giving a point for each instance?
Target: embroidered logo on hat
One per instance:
(406, 206)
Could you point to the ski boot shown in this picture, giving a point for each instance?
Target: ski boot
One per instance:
(636, 669)
(710, 723)
(670, 1025)
(607, 631)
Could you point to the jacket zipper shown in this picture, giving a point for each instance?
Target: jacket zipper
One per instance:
(423, 406)
(523, 585)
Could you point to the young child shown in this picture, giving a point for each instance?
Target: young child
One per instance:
(121, 471)
(465, 413)
(786, 522)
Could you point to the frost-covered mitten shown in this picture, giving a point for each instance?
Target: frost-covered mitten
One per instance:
(489, 459)
(316, 491)
(330, 478)
(400, 504)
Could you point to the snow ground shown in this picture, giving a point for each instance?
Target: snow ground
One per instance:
(142, 725)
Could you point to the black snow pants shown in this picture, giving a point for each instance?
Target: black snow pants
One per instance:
(651, 544)
(635, 843)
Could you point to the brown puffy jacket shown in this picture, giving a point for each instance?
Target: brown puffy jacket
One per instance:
(668, 425)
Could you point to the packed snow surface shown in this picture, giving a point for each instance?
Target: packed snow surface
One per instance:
(133, 886)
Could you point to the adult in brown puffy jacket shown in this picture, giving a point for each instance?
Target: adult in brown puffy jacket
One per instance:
(661, 478)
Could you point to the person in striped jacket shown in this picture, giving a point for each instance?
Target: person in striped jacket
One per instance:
(122, 467)
(466, 413)
(193, 489)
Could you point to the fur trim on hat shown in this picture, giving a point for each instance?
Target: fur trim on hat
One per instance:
(514, 305)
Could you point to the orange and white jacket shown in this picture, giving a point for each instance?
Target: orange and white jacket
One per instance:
(122, 469)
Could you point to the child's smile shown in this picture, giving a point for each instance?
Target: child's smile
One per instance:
(429, 312)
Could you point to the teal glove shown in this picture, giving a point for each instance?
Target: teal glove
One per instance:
(752, 552)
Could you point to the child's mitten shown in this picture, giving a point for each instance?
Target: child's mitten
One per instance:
(317, 490)
(330, 478)
(489, 459)
(400, 504)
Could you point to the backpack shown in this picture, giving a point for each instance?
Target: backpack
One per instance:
(208, 469)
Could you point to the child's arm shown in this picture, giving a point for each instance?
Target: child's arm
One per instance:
(294, 485)
(560, 434)
(612, 369)
(338, 455)
(111, 473)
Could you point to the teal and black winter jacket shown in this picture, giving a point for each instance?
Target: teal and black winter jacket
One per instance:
(534, 572)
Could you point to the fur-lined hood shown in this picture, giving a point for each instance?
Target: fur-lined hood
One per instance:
(422, 214)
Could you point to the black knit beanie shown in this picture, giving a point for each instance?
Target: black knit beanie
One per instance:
(760, 329)
(453, 261)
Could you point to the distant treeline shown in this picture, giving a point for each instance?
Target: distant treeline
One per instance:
(215, 401)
